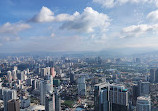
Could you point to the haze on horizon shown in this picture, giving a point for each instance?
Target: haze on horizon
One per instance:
(80, 25)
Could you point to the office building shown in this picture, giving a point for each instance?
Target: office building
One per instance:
(14, 76)
(53, 72)
(81, 86)
(57, 100)
(144, 88)
(72, 77)
(156, 76)
(143, 104)
(49, 102)
(152, 75)
(135, 94)
(9, 76)
(110, 97)
(13, 105)
(46, 87)
(8, 94)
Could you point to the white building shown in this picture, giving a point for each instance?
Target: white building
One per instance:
(9, 75)
(46, 87)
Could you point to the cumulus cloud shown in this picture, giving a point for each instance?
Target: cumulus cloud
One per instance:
(81, 22)
(9, 32)
(46, 15)
(87, 21)
(153, 16)
(13, 28)
(112, 3)
(138, 30)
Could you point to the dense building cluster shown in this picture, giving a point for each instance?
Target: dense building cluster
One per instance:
(51, 83)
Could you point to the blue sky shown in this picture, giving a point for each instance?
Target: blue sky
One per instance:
(77, 25)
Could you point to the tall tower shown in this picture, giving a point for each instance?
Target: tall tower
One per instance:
(45, 88)
(49, 102)
(143, 104)
(81, 86)
(57, 100)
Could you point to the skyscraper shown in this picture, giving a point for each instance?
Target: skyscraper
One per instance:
(152, 75)
(110, 97)
(143, 104)
(135, 94)
(43, 72)
(13, 105)
(156, 76)
(144, 88)
(46, 87)
(52, 72)
(8, 94)
(81, 86)
(49, 102)
(14, 75)
(72, 77)
(57, 100)
(9, 76)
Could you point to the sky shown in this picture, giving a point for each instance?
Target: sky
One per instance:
(77, 25)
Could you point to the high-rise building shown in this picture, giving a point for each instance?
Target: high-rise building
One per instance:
(72, 77)
(143, 104)
(144, 88)
(48, 69)
(110, 97)
(34, 84)
(46, 87)
(81, 86)
(135, 94)
(9, 76)
(152, 75)
(52, 72)
(43, 72)
(14, 74)
(156, 76)
(8, 94)
(13, 105)
(49, 102)
(57, 100)
(25, 101)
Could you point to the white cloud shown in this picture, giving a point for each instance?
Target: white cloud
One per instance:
(153, 16)
(112, 3)
(13, 28)
(46, 15)
(52, 35)
(138, 30)
(84, 22)
(9, 32)
(88, 21)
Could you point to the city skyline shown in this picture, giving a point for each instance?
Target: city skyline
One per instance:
(81, 25)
